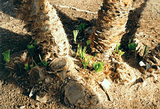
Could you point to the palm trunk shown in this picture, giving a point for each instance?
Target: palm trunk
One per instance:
(110, 28)
(46, 28)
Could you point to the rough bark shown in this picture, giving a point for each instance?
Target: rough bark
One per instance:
(112, 19)
(43, 22)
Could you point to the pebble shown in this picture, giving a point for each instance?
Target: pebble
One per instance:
(31, 92)
(13, 26)
(148, 66)
(48, 80)
(11, 18)
(42, 99)
(105, 84)
(141, 63)
(22, 107)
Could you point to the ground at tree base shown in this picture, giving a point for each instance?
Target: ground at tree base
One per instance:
(120, 96)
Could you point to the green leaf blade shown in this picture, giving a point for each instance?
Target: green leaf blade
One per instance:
(98, 66)
(75, 33)
(6, 55)
(81, 26)
(145, 50)
(45, 63)
(26, 66)
(132, 46)
(88, 42)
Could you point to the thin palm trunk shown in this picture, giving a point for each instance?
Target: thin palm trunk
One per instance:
(112, 19)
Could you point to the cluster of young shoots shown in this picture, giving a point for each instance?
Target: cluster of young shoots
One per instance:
(31, 50)
(131, 46)
(81, 52)
(118, 51)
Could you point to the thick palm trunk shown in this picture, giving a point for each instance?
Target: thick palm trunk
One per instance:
(44, 24)
(42, 21)
(111, 24)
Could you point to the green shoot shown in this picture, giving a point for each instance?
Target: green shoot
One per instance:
(35, 42)
(86, 61)
(26, 66)
(31, 49)
(35, 63)
(6, 55)
(145, 50)
(95, 54)
(81, 26)
(82, 54)
(98, 66)
(88, 42)
(117, 50)
(31, 66)
(40, 82)
(78, 48)
(132, 46)
(75, 33)
(43, 62)
(120, 52)
(117, 47)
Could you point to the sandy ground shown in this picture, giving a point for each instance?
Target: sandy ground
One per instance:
(72, 13)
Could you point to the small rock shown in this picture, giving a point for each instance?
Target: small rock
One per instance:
(141, 63)
(78, 95)
(11, 18)
(22, 107)
(49, 80)
(148, 66)
(74, 92)
(105, 84)
(58, 64)
(42, 99)
(144, 83)
(31, 92)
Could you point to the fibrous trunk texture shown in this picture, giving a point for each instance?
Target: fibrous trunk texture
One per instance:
(43, 22)
(112, 19)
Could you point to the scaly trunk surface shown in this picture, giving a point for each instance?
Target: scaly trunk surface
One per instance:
(112, 19)
(43, 22)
